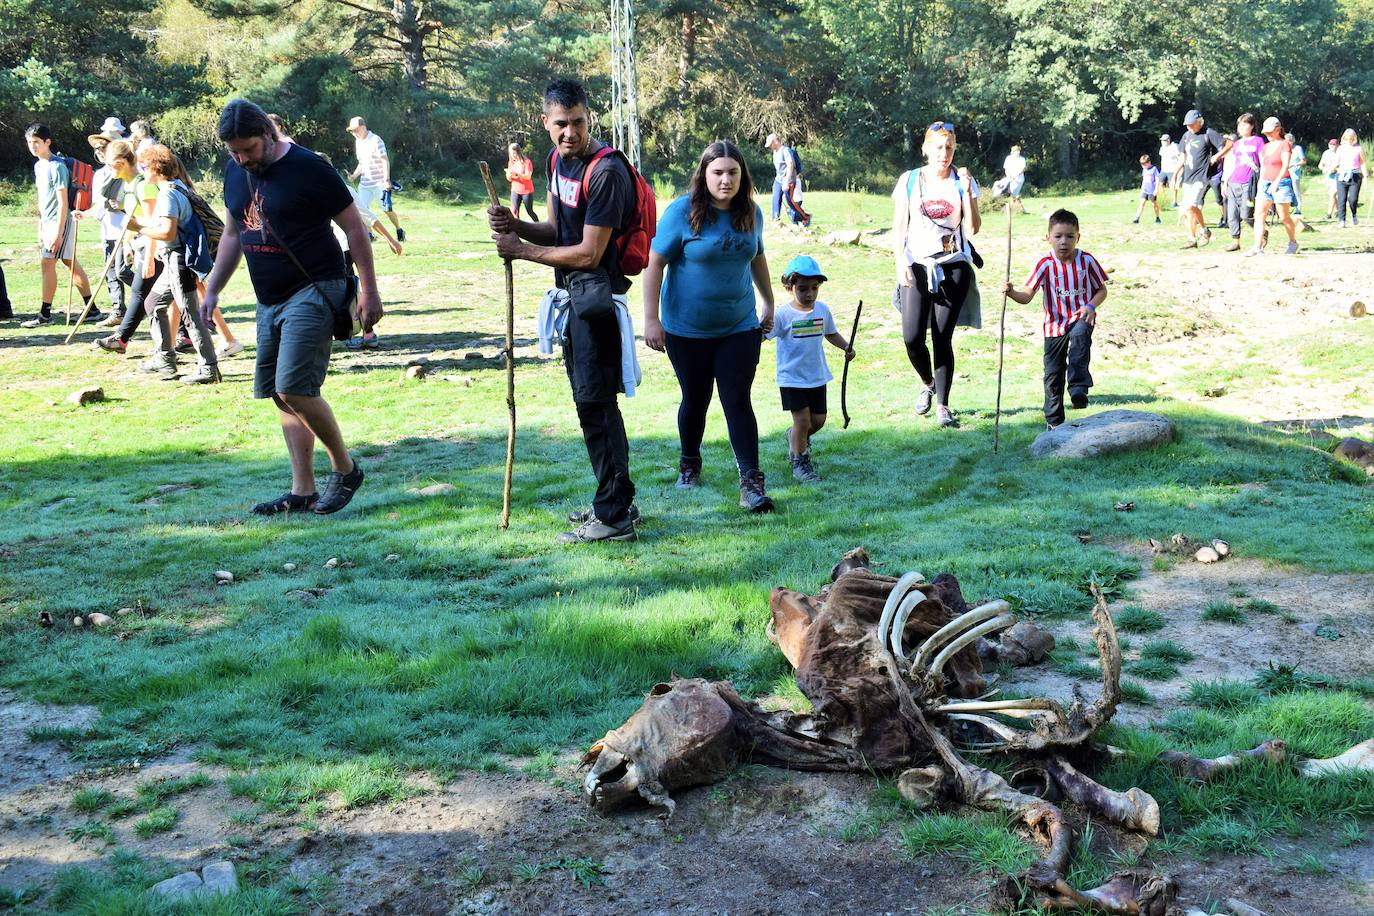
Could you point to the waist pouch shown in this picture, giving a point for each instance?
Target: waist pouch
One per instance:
(589, 291)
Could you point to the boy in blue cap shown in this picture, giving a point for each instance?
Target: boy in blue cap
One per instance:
(798, 327)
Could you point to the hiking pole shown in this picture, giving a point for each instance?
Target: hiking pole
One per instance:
(844, 379)
(510, 363)
(108, 262)
(71, 268)
(1001, 341)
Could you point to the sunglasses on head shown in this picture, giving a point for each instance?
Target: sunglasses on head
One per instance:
(942, 125)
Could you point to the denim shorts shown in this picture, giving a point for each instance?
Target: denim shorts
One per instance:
(294, 340)
(1279, 192)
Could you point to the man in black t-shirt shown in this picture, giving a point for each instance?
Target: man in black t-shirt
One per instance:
(1200, 148)
(579, 239)
(281, 199)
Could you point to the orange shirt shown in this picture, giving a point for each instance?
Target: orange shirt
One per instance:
(521, 175)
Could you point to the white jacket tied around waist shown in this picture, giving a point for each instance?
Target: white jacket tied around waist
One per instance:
(553, 325)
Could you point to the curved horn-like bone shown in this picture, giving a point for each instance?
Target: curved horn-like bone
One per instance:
(894, 636)
(894, 598)
(1359, 757)
(1001, 623)
(1007, 707)
(946, 632)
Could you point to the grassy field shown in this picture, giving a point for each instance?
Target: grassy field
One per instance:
(442, 644)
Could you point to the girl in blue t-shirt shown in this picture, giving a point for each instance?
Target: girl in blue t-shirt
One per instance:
(699, 308)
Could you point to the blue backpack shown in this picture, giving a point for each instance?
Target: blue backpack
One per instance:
(796, 160)
(198, 249)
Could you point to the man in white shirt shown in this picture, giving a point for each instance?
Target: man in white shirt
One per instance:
(373, 174)
(1014, 171)
(1168, 163)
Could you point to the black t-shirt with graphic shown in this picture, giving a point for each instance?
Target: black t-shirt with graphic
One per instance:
(292, 202)
(609, 199)
(1197, 150)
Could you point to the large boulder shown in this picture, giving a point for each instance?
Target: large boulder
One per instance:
(1104, 434)
(1361, 453)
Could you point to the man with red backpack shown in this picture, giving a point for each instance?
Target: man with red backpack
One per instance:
(56, 228)
(599, 225)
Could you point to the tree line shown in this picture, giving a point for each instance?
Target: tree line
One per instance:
(1084, 86)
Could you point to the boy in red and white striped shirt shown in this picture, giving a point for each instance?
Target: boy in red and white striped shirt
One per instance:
(1074, 285)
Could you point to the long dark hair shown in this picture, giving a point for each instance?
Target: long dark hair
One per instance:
(741, 205)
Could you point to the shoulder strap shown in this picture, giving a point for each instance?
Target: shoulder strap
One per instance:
(267, 228)
(587, 174)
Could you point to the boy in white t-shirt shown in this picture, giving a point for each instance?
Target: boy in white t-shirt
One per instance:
(798, 327)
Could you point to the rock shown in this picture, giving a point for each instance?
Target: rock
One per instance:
(1357, 309)
(473, 354)
(45, 619)
(86, 396)
(124, 612)
(1106, 433)
(1218, 392)
(223, 576)
(392, 557)
(78, 621)
(183, 887)
(416, 372)
(1352, 449)
(843, 237)
(1206, 555)
(331, 563)
(1179, 539)
(175, 488)
(1025, 644)
(418, 361)
(99, 620)
(434, 489)
(289, 567)
(1222, 548)
(464, 380)
(219, 878)
(66, 501)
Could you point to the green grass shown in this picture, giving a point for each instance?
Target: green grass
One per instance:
(1222, 612)
(1135, 619)
(1166, 650)
(1261, 606)
(158, 820)
(982, 841)
(89, 800)
(1153, 669)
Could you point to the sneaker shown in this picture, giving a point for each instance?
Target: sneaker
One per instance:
(1234, 246)
(803, 469)
(287, 502)
(923, 400)
(112, 320)
(1254, 251)
(1342, 226)
(1292, 248)
(946, 417)
(1206, 237)
(159, 365)
(204, 375)
(400, 234)
(586, 515)
(366, 341)
(688, 473)
(1051, 427)
(1158, 220)
(113, 344)
(38, 321)
(1354, 220)
(184, 345)
(1079, 399)
(594, 529)
(339, 490)
(751, 493)
(230, 348)
(1191, 244)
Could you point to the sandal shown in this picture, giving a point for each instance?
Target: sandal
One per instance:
(287, 502)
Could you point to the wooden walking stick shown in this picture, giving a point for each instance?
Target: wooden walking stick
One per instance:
(71, 268)
(1001, 340)
(106, 270)
(510, 363)
(844, 379)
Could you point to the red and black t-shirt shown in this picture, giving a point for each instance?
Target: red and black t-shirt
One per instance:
(608, 203)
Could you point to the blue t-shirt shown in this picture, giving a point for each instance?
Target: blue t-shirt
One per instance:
(708, 290)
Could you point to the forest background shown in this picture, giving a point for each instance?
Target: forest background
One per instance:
(1084, 86)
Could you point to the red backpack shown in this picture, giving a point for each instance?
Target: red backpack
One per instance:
(81, 181)
(634, 238)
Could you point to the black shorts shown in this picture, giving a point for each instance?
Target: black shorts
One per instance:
(1144, 196)
(797, 398)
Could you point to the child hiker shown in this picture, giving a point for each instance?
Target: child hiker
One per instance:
(1149, 187)
(1074, 285)
(799, 327)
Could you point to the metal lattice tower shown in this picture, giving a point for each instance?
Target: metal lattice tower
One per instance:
(624, 80)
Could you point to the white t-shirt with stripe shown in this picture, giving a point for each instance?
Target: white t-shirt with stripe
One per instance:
(1068, 287)
(801, 345)
(371, 152)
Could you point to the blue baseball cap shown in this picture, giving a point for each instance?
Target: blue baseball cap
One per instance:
(1191, 116)
(803, 266)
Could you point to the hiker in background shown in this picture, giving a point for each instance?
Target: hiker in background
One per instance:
(1168, 164)
(1214, 181)
(1241, 165)
(280, 125)
(520, 174)
(139, 136)
(1014, 173)
(1327, 166)
(56, 229)
(935, 212)
(1275, 187)
(1296, 169)
(1149, 187)
(1200, 148)
(137, 197)
(373, 173)
(106, 189)
(368, 339)
(786, 172)
(700, 309)
(1350, 174)
(177, 283)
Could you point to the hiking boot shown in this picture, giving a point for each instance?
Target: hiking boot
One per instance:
(1205, 238)
(594, 529)
(802, 468)
(586, 515)
(230, 348)
(339, 490)
(113, 344)
(400, 234)
(946, 417)
(924, 399)
(1158, 220)
(1079, 399)
(751, 493)
(688, 473)
(38, 321)
(184, 345)
(1191, 244)
(287, 502)
(112, 320)
(159, 364)
(1136, 221)
(204, 375)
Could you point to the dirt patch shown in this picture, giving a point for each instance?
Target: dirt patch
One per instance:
(24, 763)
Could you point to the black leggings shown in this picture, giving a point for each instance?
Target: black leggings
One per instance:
(728, 364)
(527, 199)
(138, 295)
(938, 311)
(1348, 195)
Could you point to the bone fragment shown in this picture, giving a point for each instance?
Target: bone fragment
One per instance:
(922, 787)
(894, 636)
(1134, 809)
(991, 626)
(1359, 757)
(946, 632)
(894, 598)
(1203, 769)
